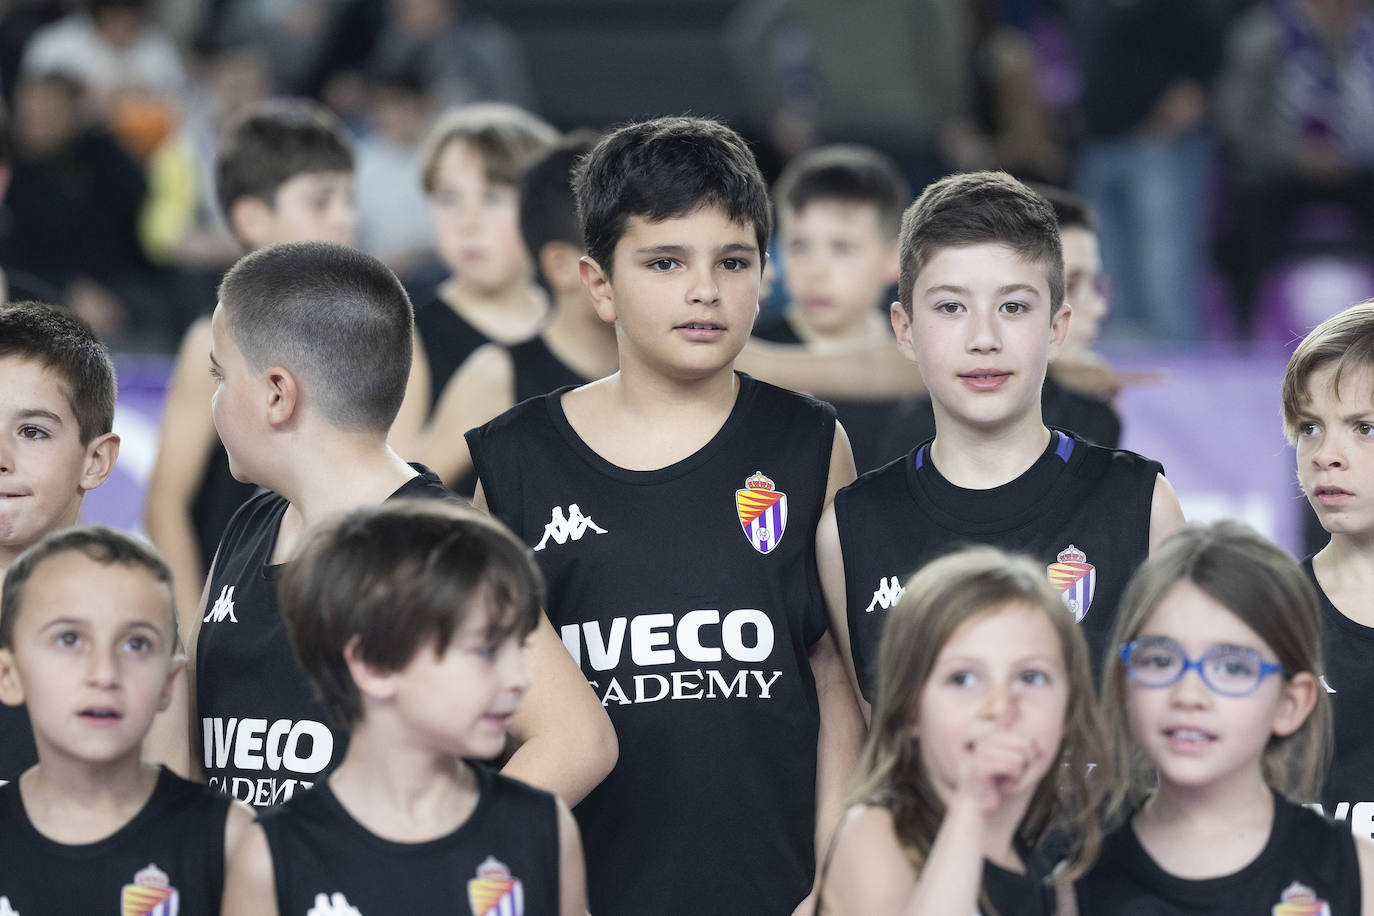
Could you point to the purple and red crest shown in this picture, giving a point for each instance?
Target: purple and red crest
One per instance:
(762, 512)
(1074, 578)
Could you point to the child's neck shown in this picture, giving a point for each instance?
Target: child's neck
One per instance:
(870, 326)
(1345, 571)
(975, 460)
(1199, 832)
(507, 314)
(76, 802)
(400, 792)
(582, 341)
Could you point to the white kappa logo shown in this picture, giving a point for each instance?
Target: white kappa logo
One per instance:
(6, 909)
(1322, 679)
(572, 527)
(889, 590)
(332, 905)
(223, 607)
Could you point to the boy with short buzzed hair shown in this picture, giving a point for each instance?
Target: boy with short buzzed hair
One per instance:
(408, 619)
(88, 644)
(981, 313)
(57, 401)
(1328, 414)
(671, 507)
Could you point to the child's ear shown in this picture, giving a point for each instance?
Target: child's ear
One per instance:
(100, 461)
(250, 218)
(901, 326)
(173, 674)
(11, 687)
(598, 284)
(370, 680)
(1296, 701)
(1059, 329)
(283, 396)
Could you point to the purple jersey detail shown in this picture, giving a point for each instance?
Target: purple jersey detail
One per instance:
(920, 457)
(1065, 447)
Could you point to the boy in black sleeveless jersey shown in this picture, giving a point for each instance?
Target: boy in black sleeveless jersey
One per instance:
(981, 314)
(88, 644)
(573, 349)
(408, 619)
(1328, 414)
(312, 346)
(57, 399)
(672, 507)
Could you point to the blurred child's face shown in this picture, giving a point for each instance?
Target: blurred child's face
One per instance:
(477, 223)
(1336, 450)
(311, 207)
(92, 657)
(236, 406)
(1084, 288)
(1002, 670)
(44, 468)
(981, 333)
(461, 701)
(837, 263)
(684, 293)
(1197, 738)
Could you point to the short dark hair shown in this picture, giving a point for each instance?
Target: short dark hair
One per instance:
(65, 344)
(399, 578)
(103, 545)
(335, 316)
(507, 139)
(974, 208)
(849, 173)
(548, 210)
(1071, 210)
(1345, 341)
(268, 143)
(665, 168)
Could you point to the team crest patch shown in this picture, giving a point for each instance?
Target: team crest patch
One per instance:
(1074, 578)
(762, 512)
(151, 894)
(1300, 900)
(494, 892)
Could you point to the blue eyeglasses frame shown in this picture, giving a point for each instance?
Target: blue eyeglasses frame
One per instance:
(1195, 664)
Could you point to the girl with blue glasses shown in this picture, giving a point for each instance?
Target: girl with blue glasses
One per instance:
(1221, 733)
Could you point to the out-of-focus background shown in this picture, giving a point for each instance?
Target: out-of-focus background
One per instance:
(1227, 146)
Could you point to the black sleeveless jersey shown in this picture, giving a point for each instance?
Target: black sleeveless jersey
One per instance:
(169, 858)
(264, 733)
(1081, 510)
(502, 861)
(689, 596)
(448, 340)
(537, 371)
(17, 751)
(865, 422)
(1348, 654)
(1307, 863)
(1092, 419)
(217, 499)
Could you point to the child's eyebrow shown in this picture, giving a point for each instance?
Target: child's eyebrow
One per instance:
(39, 413)
(1001, 290)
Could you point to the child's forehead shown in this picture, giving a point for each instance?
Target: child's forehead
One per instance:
(832, 212)
(28, 385)
(981, 264)
(1011, 628)
(1340, 384)
(72, 584)
(1198, 621)
(708, 223)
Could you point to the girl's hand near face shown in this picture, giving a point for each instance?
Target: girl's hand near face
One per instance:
(998, 762)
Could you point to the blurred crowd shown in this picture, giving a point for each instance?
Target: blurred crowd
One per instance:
(1226, 145)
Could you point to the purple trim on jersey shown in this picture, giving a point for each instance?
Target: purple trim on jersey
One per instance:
(920, 457)
(1065, 447)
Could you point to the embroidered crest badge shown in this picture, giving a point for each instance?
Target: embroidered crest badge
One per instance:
(1300, 900)
(151, 894)
(494, 892)
(762, 512)
(1074, 578)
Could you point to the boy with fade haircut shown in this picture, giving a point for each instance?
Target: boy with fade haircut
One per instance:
(981, 314)
(839, 211)
(1328, 414)
(408, 619)
(311, 352)
(88, 644)
(671, 507)
(57, 402)
(575, 348)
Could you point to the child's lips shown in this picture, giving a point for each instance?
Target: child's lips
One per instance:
(1188, 739)
(701, 330)
(101, 715)
(1332, 496)
(985, 379)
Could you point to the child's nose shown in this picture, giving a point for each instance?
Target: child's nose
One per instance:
(103, 669)
(983, 334)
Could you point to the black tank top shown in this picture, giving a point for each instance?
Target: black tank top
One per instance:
(263, 732)
(1081, 510)
(502, 861)
(217, 499)
(1308, 861)
(168, 858)
(690, 598)
(1347, 648)
(537, 371)
(17, 751)
(448, 340)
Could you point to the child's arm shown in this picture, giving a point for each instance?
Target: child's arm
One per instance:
(565, 743)
(1165, 513)
(410, 419)
(874, 370)
(249, 885)
(572, 871)
(172, 737)
(184, 448)
(830, 560)
(482, 388)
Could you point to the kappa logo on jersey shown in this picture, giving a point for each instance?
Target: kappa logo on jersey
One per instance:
(222, 608)
(567, 529)
(1300, 900)
(1075, 579)
(762, 512)
(1325, 686)
(885, 595)
(494, 892)
(332, 905)
(6, 909)
(151, 894)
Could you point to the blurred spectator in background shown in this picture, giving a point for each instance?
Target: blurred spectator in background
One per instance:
(1297, 108)
(1146, 159)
